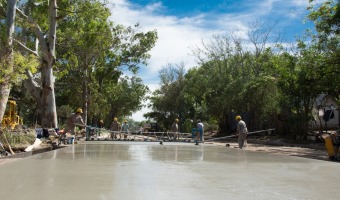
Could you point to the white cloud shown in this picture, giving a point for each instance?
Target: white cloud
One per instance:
(177, 34)
(154, 7)
(300, 3)
(138, 116)
(304, 3)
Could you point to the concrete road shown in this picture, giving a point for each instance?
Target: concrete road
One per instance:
(101, 170)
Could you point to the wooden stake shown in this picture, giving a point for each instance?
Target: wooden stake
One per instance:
(9, 146)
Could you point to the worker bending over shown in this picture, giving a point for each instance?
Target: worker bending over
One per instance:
(74, 120)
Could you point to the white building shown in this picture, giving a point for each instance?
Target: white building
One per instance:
(326, 112)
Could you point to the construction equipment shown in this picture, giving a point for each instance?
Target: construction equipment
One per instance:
(332, 143)
(11, 118)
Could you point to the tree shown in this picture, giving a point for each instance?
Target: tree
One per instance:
(168, 102)
(326, 17)
(234, 80)
(216, 78)
(6, 54)
(93, 52)
(125, 97)
(44, 93)
(233, 77)
(85, 37)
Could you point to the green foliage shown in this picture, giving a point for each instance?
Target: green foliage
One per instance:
(266, 86)
(126, 96)
(168, 102)
(235, 82)
(93, 52)
(260, 85)
(22, 63)
(326, 42)
(326, 16)
(261, 97)
(26, 105)
(187, 126)
(17, 140)
(64, 111)
(211, 125)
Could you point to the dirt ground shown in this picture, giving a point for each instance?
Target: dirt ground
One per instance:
(310, 150)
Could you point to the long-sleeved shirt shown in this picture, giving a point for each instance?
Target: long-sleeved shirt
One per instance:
(125, 127)
(242, 127)
(74, 118)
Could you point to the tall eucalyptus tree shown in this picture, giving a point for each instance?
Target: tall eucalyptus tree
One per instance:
(6, 52)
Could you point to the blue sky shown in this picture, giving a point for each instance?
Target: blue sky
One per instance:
(183, 24)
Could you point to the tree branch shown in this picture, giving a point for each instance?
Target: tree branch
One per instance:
(35, 28)
(27, 49)
(36, 45)
(32, 86)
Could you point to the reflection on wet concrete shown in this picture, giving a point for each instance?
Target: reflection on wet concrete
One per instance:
(141, 170)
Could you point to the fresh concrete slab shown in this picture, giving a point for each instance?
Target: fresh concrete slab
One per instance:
(101, 170)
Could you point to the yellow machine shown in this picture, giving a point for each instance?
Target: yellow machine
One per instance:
(11, 118)
(332, 146)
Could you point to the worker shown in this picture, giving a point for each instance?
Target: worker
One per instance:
(200, 127)
(73, 120)
(241, 131)
(141, 129)
(114, 129)
(175, 129)
(100, 125)
(125, 130)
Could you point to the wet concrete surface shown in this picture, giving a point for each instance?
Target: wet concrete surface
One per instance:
(100, 170)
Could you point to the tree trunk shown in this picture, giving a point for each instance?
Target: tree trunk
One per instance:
(7, 57)
(85, 96)
(4, 94)
(48, 103)
(46, 98)
(33, 87)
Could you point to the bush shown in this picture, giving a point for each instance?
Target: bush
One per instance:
(17, 139)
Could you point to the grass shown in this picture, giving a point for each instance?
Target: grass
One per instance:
(17, 139)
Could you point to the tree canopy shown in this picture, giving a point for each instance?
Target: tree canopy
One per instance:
(91, 54)
(269, 83)
(74, 51)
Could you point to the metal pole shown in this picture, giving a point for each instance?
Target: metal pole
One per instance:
(249, 133)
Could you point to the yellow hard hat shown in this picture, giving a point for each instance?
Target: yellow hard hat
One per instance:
(115, 119)
(79, 110)
(238, 117)
(176, 120)
(125, 120)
